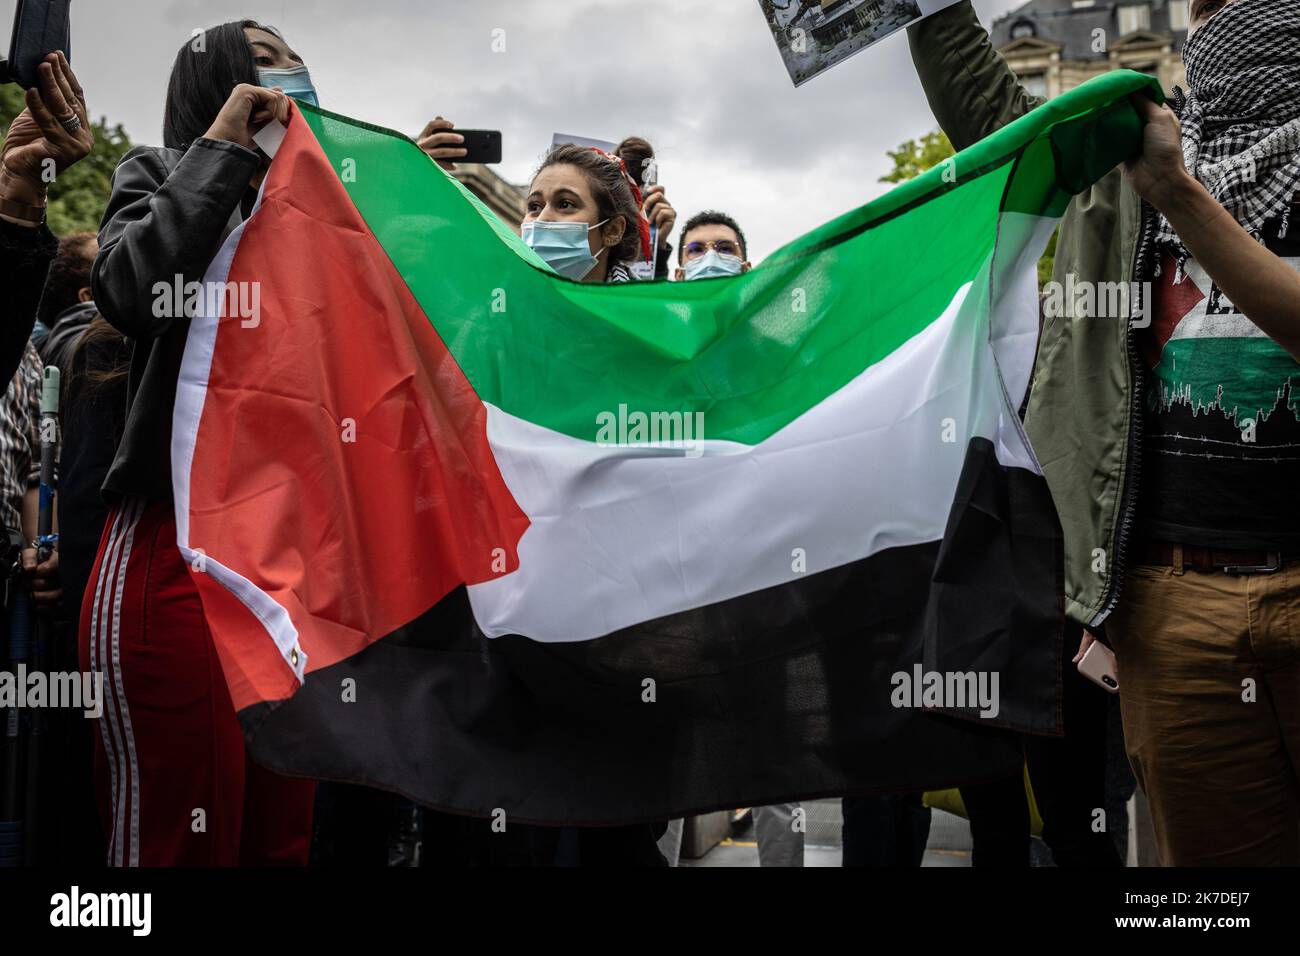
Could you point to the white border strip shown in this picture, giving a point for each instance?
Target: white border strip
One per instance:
(191, 393)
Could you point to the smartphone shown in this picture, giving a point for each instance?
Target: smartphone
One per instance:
(483, 145)
(1098, 665)
(41, 27)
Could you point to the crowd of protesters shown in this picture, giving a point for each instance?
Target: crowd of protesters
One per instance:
(1205, 580)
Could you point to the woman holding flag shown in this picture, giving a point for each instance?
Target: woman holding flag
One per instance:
(174, 783)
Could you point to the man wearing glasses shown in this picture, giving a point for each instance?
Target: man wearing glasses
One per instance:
(712, 247)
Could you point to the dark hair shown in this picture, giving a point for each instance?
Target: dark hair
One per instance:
(101, 342)
(203, 77)
(69, 274)
(712, 217)
(611, 190)
(95, 373)
(635, 153)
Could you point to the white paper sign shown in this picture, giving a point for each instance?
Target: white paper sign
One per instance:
(815, 35)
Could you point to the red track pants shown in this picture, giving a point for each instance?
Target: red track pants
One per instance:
(174, 784)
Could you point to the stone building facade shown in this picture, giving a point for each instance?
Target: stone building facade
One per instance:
(502, 197)
(1054, 45)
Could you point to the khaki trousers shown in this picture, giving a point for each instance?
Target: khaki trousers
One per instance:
(1209, 673)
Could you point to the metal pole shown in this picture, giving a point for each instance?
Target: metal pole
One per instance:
(45, 543)
(19, 651)
(650, 174)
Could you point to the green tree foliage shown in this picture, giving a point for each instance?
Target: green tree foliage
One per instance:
(1046, 263)
(80, 193)
(914, 157)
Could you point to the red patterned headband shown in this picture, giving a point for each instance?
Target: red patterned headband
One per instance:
(643, 223)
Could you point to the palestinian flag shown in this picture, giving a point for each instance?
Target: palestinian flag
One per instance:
(470, 531)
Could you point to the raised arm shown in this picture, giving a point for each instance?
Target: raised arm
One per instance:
(972, 91)
(161, 223)
(1260, 284)
(52, 133)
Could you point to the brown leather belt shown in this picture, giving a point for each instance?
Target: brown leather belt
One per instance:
(1227, 560)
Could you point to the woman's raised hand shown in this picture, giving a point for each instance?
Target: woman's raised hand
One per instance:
(248, 109)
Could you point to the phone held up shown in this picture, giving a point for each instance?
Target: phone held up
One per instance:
(41, 27)
(482, 146)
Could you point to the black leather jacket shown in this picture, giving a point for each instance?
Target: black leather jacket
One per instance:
(25, 257)
(167, 217)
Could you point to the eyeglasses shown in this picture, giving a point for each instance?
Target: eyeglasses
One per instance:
(723, 247)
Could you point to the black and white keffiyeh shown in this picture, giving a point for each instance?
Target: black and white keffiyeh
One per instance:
(1241, 119)
(619, 272)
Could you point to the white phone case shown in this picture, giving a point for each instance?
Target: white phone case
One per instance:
(1098, 665)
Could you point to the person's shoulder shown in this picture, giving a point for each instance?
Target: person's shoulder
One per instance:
(32, 366)
(161, 153)
(619, 272)
(25, 388)
(149, 161)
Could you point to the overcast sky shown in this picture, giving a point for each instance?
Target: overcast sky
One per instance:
(703, 81)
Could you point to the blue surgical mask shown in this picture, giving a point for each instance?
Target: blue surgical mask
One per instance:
(711, 265)
(564, 246)
(296, 83)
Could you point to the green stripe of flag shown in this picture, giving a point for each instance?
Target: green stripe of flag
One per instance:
(752, 353)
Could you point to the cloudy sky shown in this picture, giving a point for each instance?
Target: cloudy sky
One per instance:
(701, 80)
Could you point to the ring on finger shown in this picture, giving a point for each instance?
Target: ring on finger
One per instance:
(71, 124)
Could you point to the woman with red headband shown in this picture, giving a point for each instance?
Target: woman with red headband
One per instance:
(584, 216)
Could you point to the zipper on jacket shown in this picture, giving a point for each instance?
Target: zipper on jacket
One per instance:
(1142, 270)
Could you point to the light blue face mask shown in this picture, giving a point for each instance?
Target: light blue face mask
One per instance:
(711, 265)
(296, 83)
(563, 246)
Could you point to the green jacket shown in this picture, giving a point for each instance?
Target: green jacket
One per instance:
(1084, 415)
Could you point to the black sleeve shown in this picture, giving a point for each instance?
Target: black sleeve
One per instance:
(161, 224)
(25, 257)
(664, 261)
